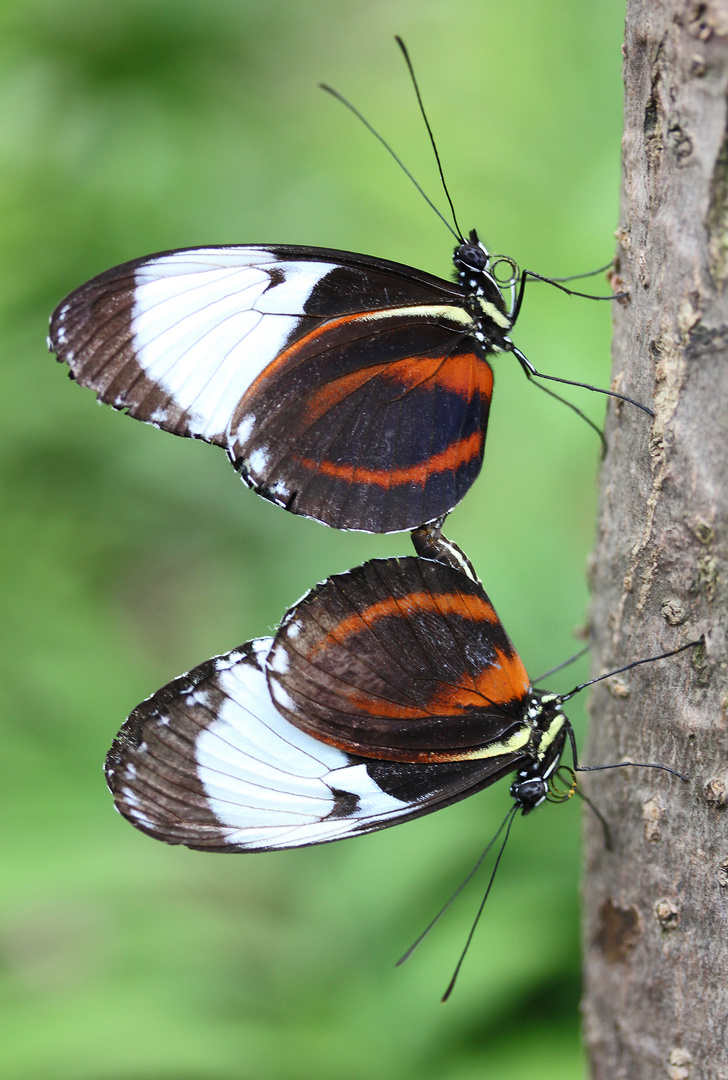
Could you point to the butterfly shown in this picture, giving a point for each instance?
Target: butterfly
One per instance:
(345, 388)
(388, 692)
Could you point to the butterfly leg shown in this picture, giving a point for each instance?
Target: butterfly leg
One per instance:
(574, 409)
(532, 373)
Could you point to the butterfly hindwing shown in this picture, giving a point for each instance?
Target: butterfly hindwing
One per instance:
(401, 659)
(371, 430)
(209, 762)
(344, 388)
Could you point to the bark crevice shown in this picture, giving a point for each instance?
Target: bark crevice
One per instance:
(656, 907)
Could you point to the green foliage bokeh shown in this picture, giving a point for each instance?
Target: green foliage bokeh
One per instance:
(129, 556)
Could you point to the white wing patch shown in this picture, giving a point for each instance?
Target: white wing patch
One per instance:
(269, 784)
(260, 781)
(207, 322)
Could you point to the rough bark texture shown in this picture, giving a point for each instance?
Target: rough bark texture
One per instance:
(656, 928)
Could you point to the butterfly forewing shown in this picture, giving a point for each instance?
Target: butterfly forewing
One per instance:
(344, 388)
(401, 659)
(209, 762)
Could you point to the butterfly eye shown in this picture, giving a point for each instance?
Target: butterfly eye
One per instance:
(472, 255)
(504, 270)
(529, 793)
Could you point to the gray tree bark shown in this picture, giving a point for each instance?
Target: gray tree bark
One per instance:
(656, 925)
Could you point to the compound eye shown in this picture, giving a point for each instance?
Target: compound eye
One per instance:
(529, 793)
(473, 256)
(504, 270)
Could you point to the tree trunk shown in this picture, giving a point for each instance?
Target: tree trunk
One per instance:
(656, 927)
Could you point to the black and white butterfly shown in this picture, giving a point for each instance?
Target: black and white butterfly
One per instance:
(388, 692)
(345, 388)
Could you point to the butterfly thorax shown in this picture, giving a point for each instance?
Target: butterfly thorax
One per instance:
(482, 294)
(549, 733)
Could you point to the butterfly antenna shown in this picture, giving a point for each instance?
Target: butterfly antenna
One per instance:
(406, 55)
(445, 907)
(388, 148)
(451, 985)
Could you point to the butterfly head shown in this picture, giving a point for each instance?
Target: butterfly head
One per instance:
(471, 255)
(486, 275)
(550, 729)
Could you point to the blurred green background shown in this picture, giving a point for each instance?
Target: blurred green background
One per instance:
(128, 556)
